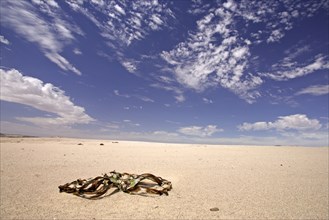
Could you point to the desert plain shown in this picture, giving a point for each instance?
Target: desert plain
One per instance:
(236, 182)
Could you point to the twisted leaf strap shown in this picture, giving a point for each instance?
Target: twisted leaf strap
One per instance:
(95, 188)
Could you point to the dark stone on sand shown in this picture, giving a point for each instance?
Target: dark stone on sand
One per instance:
(101, 144)
(80, 144)
(215, 209)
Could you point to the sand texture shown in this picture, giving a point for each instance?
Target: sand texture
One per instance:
(236, 182)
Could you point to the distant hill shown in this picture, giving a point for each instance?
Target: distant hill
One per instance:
(16, 136)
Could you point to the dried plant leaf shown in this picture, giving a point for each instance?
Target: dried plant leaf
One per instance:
(96, 188)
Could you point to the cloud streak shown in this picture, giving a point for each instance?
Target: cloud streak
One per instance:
(289, 70)
(31, 26)
(140, 97)
(123, 23)
(315, 90)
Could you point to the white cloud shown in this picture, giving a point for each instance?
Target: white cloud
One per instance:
(141, 97)
(98, 2)
(315, 90)
(62, 62)
(129, 64)
(203, 61)
(282, 71)
(4, 40)
(239, 52)
(30, 25)
(156, 22)
(275, 36)
(43, 96)
(277, 18)
(173, 122)
(120, 10)
(164, 135)
(199, 131)
(63, 30)
(165, 79)
(230, 4)
(218, 53)
(319, 138)
(144, 98)
(77, 51)
(180, 98)
(257, 126)
(51, 3)
(123, 22)
(298, 122)
(117, 93)
(179, 94)
(198, 7)
(207, 101)
(130, 123)
(297, 50)
(157, 19)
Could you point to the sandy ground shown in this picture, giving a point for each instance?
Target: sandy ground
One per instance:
(243, 182)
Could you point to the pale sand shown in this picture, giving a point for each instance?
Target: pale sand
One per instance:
(241, 181)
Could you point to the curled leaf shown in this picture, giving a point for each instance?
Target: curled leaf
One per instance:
(95, 188)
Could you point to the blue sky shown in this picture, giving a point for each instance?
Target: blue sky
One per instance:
(201, 71)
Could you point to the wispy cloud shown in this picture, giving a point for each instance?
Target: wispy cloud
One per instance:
(167, 83)
(297, 50)
(130, 123)
(180, 98)
(31, 26)
(45, 5)
(207, 101)
(117, 93)
(124, 22)
(298, 122)
(119, 9)
(140, 97)
(61, 62)
(289, 70)
(200, 131)
(178, 93)
(4, 40)
(43, 96)
(76, 51)
(144, 98)
(218, 53)
(276, 18)
(202, 62)
(129, 64)
(316, 90)
(199, 7)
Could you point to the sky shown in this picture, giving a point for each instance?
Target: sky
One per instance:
(200, 71)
